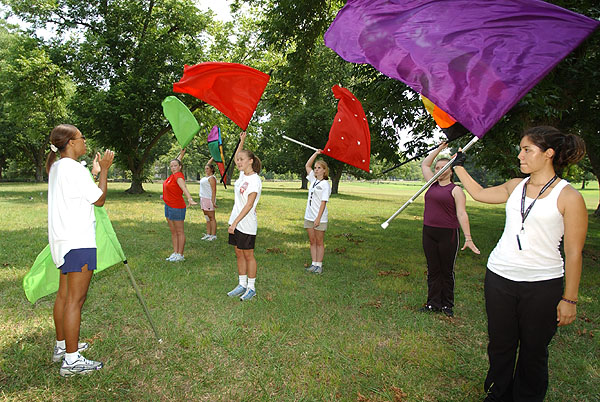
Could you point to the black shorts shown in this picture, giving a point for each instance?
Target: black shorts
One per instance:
(241, 240)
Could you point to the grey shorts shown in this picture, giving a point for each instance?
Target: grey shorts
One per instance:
(310, 225)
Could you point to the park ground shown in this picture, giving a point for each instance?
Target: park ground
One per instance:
(351, 334)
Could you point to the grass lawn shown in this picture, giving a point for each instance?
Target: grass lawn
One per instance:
(352, 334)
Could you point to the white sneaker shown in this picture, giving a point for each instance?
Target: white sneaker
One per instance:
(79, 366)
(205, 237)
(212, 238)
(59, 353)
(178, 258)
(170, 258)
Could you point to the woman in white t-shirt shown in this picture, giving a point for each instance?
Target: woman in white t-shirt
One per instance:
(525, 297)
(72, 195)
(242, 222)
(208, 200)
(315, 216)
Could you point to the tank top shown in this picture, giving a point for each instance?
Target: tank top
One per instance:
(544, 229)
(205, 189)
(440, 208)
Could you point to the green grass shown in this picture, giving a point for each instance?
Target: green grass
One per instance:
(350, 334)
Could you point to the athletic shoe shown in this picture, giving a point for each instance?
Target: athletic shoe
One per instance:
(237, 291)
(311, 268)
(212, 238)
(59, 352)
(428, 308)
(448, 311)
(170, 258)
(80, 366)
(178, 258)
(317, 270)
(250, 293)
(205, 237)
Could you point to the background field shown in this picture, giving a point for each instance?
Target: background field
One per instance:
(353, 333)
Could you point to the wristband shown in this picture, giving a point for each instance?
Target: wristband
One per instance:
(568, 301)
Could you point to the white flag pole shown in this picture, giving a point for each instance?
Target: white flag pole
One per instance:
(429, 183)
(299, 143)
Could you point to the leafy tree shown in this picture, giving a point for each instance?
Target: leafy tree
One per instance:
(124, 57)
(35, 92)
(296, 28)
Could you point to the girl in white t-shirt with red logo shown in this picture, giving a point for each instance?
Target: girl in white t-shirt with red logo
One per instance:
(315, 217)
(242, 222)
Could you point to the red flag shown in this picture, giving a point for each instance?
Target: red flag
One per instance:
(349, 137)
(232, 88)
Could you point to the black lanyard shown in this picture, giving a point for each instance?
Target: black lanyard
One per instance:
(525, 212)
(313, 191)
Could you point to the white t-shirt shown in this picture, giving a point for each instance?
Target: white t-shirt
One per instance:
(244, 186)
(318, 190)
(71, 221)
(539, 258)
(205, 188)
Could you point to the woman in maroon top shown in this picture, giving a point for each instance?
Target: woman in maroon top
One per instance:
(173, 189)
(444, 212)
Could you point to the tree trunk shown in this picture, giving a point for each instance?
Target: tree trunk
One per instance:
(304, 185)
(337, 176)
(40, 163)
(136, 182)
(595, 162)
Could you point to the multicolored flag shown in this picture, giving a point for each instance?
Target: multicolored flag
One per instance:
(473, 58)
(43, 277)
(449, 126)
(184, 124)
(215, 146)
(232, 88)
(349, 137)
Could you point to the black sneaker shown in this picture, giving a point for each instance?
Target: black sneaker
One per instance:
(428, 308)
(448, 311)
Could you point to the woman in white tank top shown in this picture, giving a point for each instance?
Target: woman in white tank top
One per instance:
(524, 291)
(208, 200)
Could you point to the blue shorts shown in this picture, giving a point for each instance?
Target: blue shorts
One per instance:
(174, 214)
(77, 258)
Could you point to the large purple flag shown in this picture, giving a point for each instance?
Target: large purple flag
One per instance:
(473, 58)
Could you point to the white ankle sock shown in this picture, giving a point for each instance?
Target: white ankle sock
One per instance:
(251, 283)
(70, 358)
(313, 263)
(243, 280)
(61, 344)
(319, 264)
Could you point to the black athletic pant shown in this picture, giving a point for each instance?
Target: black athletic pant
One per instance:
(440, 246)
(521, 315)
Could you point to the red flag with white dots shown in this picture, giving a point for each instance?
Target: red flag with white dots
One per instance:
(349, 137)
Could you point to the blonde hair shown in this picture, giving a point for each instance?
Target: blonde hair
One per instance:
(325, 168)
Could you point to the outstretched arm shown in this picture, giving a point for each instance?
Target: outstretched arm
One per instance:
(241, 145)
(181, 153)
(311, 160)
(491, 195)
(428, 161)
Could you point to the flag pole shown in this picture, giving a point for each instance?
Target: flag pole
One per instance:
(230, 160)
(299, 143)
(142, 302)
(409, 160)
(447, 166)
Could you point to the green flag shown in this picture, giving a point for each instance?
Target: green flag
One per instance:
(185, 126)
(43, 277)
